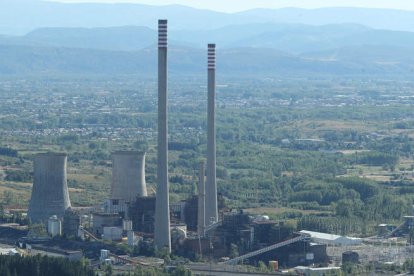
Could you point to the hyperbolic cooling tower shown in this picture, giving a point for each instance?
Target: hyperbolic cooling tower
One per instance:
(50, 194)
(162, 208)
(128, 175)
(211, 215)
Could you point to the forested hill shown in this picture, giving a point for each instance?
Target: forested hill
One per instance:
(292, 38)
(249, 49)
(183, 60)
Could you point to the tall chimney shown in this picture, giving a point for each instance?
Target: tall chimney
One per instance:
(128, 175)
(201, 201)
(50, 194)
(162, 208)
(211, 187)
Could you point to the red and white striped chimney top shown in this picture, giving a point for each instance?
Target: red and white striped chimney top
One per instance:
(162, 33)
(211, 56)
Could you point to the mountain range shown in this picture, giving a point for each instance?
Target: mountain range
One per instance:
(241, 62)
(291, 38)
(22, 16)
(91, 39)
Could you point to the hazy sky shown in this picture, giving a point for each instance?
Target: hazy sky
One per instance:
(239, 5)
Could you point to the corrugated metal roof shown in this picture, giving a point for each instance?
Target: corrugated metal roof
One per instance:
(331, 238)
(323, 236)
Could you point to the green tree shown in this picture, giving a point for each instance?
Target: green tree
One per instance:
(262, 267)
(108, 270)
(234, 251)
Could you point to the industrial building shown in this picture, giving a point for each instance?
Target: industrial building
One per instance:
(199, 225)
(117, 206)
(331, 239)
(54, 226)
(128, 196)
(142, 214)
(71, 223)
(9, 251)
(102, 220)
(317, 271)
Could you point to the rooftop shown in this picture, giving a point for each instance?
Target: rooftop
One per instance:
(8, 251)
(326, 236)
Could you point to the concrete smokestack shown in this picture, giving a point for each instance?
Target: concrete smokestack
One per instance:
(50, 194)
(201, 201)
(211, 187)
(162, 208)
(128, 175)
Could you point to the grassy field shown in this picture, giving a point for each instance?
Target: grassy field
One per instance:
(404, 171)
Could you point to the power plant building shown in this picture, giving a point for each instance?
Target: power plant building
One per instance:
(142, 214)
(54, 226)
(50, 194)
(71, 223)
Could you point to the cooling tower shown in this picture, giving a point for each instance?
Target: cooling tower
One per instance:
(162, 208)
(128, 175)
(201, 201)
(211, 186)
(50, 194)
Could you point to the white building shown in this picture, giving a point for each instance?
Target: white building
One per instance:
(331, 239)
(9, 251)
(54, 226)
(112, 233)
(316, 271)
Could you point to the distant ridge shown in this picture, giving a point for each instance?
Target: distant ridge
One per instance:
(22, 16)
(292, 38)
(28, 60)
(120, 39)
(127, 38)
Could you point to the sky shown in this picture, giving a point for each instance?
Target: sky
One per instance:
(240, 5)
